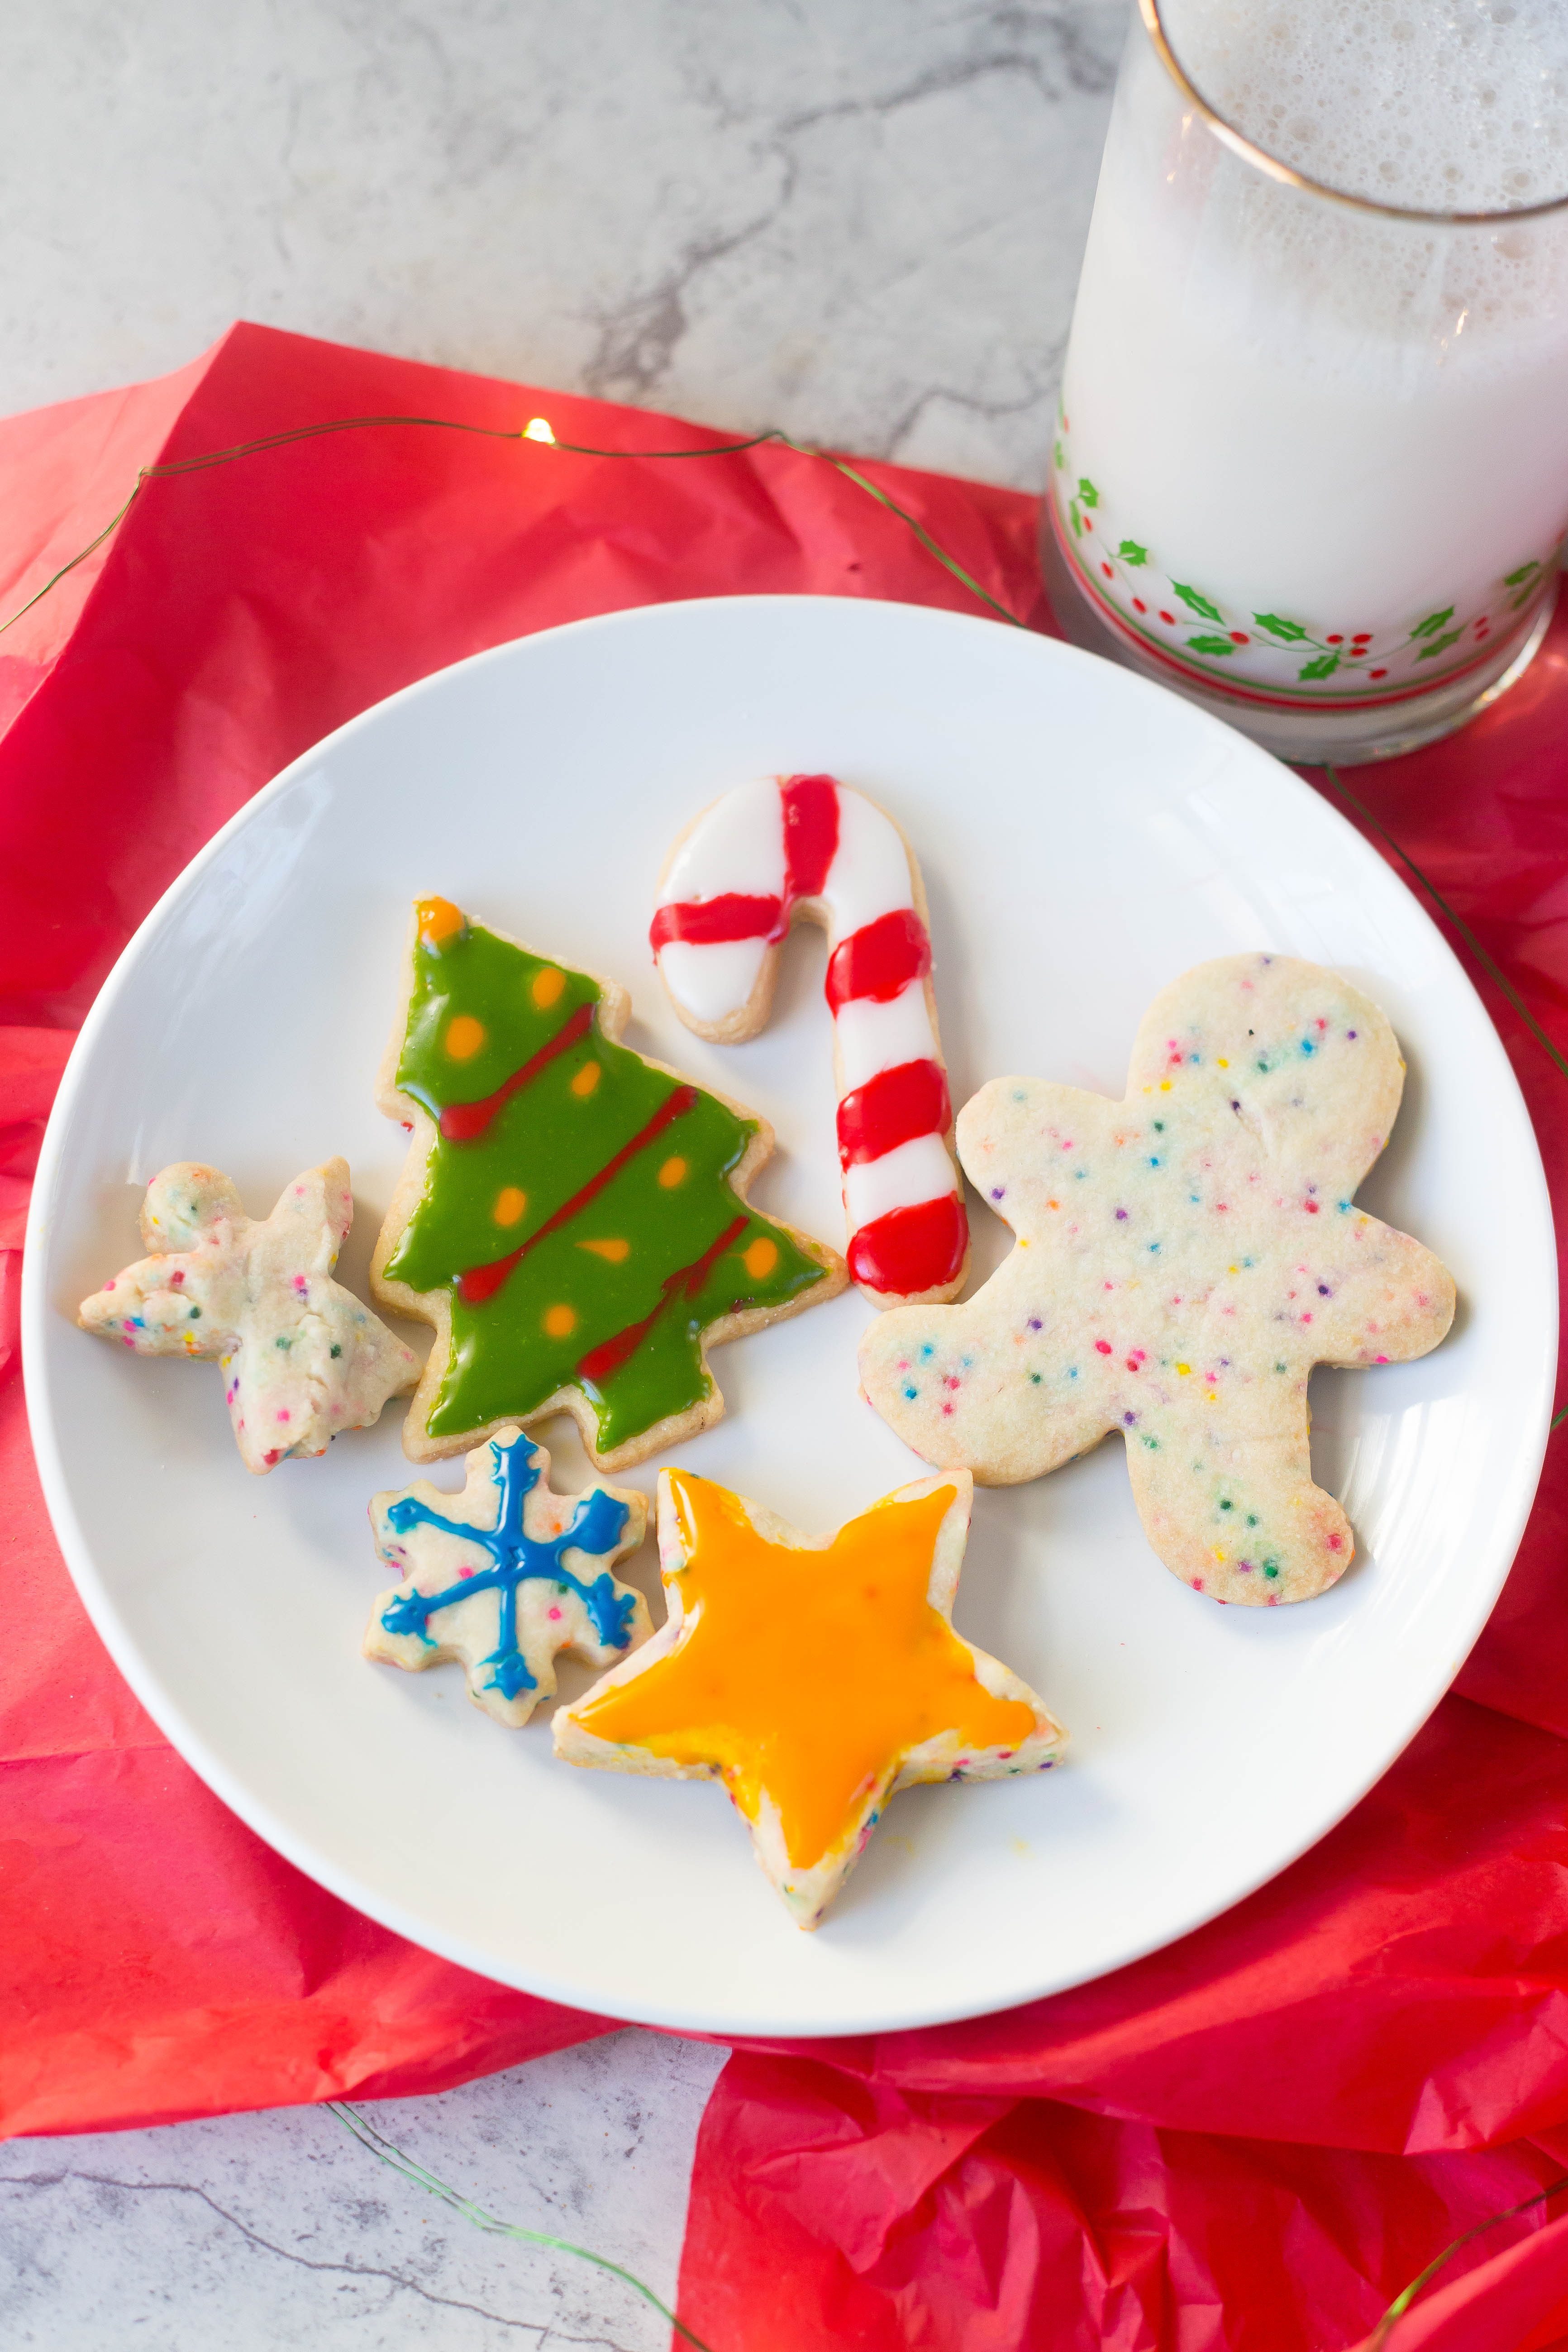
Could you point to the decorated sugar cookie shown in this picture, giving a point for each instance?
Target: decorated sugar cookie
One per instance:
(302, 1359)
(737, 876)
(506, 1575)
(814, 1678)
(573, 1217)
(1183, 1259)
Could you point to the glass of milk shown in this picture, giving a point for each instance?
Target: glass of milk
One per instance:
(1311, 464)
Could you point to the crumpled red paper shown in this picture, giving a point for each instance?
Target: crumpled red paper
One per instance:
(1250, 2140)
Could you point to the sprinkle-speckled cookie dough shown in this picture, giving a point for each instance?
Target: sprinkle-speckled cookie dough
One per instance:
(302, 1359)
(1183, 1259)
(504, 1576)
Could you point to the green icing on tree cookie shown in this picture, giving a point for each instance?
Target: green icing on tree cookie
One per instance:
(577, 1202)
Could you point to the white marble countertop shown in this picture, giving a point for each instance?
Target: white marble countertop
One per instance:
(862, 222)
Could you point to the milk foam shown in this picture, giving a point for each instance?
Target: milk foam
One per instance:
(1429, 105)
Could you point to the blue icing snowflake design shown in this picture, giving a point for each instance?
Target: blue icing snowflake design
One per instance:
(596, 1527)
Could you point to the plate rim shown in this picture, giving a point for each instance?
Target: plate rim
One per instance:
(253, 1809)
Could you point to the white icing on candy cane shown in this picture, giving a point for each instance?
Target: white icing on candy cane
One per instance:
(808, 844)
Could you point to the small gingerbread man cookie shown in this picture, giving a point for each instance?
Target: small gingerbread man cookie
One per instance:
(485, 1580)
(1184, 1258)
(302, 1359)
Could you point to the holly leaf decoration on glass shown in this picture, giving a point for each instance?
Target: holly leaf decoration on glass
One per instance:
(1291, 631)
(1087, 491)
(1198, 603)
(1130, 553)
(1440, 644)
(1433, 622)
(571, 1218)
(1323, 666)
(1211, 645)
(1512, 579)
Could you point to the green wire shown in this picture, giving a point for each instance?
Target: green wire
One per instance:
(414, 2172)
(352, 2122)
(1402, 2302)
(774, 434)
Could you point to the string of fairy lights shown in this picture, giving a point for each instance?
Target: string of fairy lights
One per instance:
(538, 430)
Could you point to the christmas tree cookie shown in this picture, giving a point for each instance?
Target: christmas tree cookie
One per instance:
(814, 1679)
(302, 1359)
(573, 1217)
(504, 1576)
(1184, 1258)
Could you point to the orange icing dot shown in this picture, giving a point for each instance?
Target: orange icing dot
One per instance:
(439, 921)
(670, 1174)
(510, 1202)
(761, 1258)
(805, 1675)
(561, 1321)
(464, 1036)
(586, 1079)
(616, 1253)
(547, 986)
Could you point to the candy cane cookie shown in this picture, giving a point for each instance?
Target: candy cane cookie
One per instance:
(790, 846)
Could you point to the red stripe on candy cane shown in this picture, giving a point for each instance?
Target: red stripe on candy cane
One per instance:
(811, 834)
(910, 1249)
(891, 1109)
(710, 922)
(879, 960)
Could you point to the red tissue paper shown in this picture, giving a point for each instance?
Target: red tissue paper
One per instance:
(1247, 2143)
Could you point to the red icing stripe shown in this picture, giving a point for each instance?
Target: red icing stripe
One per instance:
(891, 1109)
(482, 1282)
(706, 922)
(879, 960)
(601, 1362)
(910, 1249)
(811, 834)
(460, 1122)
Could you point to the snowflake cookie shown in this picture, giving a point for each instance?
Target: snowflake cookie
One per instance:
(814, 1678)
(486, 1582)
(1184, 1258)
(302, 1359)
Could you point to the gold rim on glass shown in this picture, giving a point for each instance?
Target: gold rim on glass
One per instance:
(1286, 174)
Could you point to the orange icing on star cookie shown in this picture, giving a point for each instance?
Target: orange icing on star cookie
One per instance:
(807, 1673)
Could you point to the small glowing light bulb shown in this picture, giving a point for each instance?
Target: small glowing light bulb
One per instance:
(537, 429)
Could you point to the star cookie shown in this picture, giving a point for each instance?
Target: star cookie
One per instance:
(814, 1678)
(1184, 1258)
(486, 1579)
(302, 1359)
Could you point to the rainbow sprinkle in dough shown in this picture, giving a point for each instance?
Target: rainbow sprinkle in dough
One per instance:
(1183, 1259)
(504, 1576)
(815, 1680)
(302, 1360)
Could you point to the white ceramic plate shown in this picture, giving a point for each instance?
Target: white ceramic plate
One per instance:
(1085, 836)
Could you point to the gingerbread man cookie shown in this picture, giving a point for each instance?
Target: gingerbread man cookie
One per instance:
(486, 1580)
(302, 1359)
(814, 1679)
(1184, 1258)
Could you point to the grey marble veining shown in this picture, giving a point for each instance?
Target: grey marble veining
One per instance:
(859, 219)
(251, 2232)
